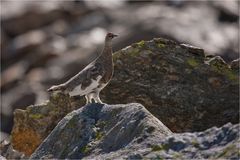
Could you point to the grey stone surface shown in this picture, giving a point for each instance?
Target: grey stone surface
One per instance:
(98, 129)
(131, 132)
(7, 151)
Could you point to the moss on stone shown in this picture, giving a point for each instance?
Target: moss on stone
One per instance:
(232, 76)
(133, 51)
(36, 116)
(141, 43)
(157, 147)
(192, 62)
(160, 147)
(99, 135)
(161, 45)
(225, 70)
(86, 149)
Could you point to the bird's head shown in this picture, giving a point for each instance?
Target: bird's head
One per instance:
(110, 36)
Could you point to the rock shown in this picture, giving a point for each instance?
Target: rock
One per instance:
(176, 83)
(97, 129)
(7, 151)
(129, 131)
(34, 34)
(235, 64)
(3, 135)
(214, 143)
(32, 125)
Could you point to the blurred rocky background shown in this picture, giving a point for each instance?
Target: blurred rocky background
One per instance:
(45, 43)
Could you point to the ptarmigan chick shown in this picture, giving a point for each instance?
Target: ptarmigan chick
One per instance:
(93, 78)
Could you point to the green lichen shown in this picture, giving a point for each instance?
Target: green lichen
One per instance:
(157, 147)
(231, 75)
(134, 51)
(218, 68)
(192, 62)
(225, 70)
(36, 116)
(99, 135)
(86, 149)
(141, 43)
(161, 45)
(160, 147)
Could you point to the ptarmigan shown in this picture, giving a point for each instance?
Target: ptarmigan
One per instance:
(93, 78)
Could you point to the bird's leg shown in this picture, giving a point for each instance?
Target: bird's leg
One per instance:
(96, 98)
(88, 98)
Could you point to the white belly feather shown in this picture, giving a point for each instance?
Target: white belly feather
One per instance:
(79, 91)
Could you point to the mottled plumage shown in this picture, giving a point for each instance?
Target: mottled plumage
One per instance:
(93, 78)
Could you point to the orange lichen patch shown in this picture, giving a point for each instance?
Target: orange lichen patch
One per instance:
(25, 140)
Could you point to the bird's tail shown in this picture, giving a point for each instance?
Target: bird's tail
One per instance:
(56, 88)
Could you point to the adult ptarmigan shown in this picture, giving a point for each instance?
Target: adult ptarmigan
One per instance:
(93, 78)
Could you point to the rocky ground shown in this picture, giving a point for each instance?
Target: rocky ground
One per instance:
(174, 95)
(182, 68)
(46, 43)
(131, 132)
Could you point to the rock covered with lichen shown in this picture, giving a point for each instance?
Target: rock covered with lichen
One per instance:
(177, 83)
(96, 129)
(130, 132)
(31, 126)
(214, 143)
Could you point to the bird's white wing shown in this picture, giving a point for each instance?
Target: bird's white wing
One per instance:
(85, 80)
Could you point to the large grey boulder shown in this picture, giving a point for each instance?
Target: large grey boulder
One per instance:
(99, 129)
(131, 132)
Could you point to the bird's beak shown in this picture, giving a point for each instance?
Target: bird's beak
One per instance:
(115, 35)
